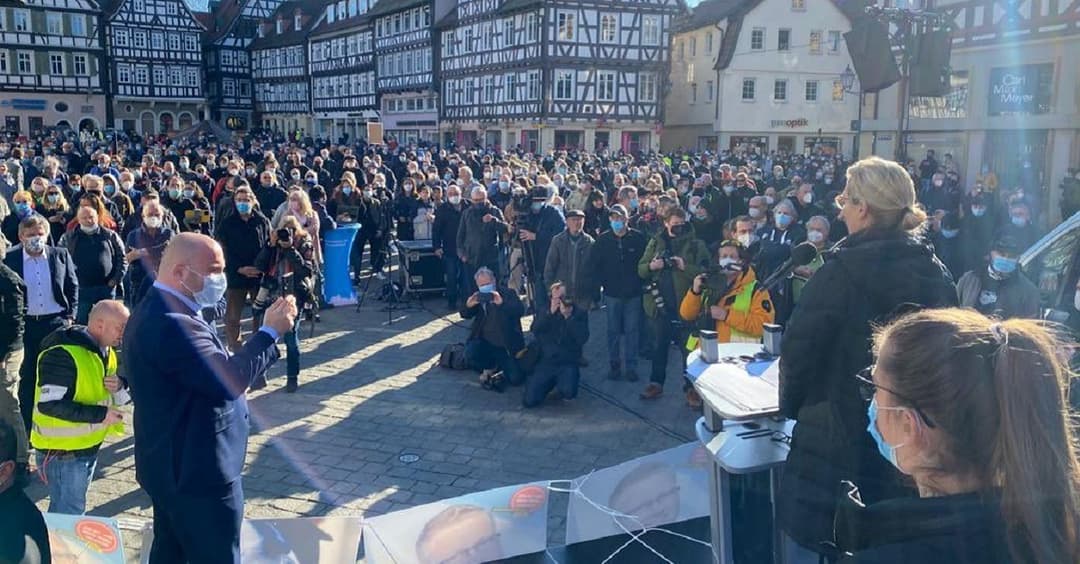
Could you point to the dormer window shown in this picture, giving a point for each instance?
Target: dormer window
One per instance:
(330, 13)
(298, 21)
(280, 25)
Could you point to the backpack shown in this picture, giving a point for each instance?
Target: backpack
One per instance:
(453, 357)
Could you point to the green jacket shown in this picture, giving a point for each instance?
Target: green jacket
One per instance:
(690, 248)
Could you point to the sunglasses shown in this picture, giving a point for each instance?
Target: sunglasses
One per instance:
(867, 389)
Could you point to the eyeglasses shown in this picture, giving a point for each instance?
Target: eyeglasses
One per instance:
(867, 389)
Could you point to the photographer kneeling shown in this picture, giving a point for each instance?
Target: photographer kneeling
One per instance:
(496, 336)
(288, 268)
(561, 330)
(724, 298)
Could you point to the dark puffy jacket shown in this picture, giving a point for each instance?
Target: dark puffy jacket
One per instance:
(499, 325)
(959, 529)
(868, 278)
(561, 340)
(615, 263)
(445, 229)
(242, 240)
(477, 240)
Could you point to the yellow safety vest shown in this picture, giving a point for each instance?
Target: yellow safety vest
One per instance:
(742, 304)
(50, 433)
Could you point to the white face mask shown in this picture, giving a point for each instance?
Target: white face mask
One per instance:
(152, 221)
(808, 198)
(815, 236)
(454, 200)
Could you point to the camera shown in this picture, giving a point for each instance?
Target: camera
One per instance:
(484, 298)
(284, 235)
(667, 257)
(270, 289)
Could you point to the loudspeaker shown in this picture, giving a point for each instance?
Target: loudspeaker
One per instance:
(930, 64)
(871, 55)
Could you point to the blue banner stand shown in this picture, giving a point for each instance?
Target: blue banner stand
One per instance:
(337, 287)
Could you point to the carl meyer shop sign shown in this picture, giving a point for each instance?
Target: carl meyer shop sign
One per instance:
(1016, 90)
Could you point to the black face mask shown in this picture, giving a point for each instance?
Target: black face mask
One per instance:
(680, 230)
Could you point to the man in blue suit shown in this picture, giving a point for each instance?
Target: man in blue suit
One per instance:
(191, 418)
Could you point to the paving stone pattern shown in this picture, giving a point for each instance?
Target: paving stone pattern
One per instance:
(371, 392)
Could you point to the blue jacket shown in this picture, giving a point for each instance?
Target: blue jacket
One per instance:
(191, 418)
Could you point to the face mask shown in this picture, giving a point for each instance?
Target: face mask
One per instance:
(75, 188)
(233, 172)
(295, 176)
(747, 239)
(174, 194)
(486, 288)
(769, 200)
(634, 204)
(250, 172)
(887, 451)
(312, 181)
(536, 207)
(53, 198)
(828, 180)
(346, 190)
(728, 189)
(243, 207)
(1003, 265)
(22, 208)
(504, 186)
(1019, 221)
(783, 220)
(728, 263)
(618, 225)
(978, 211)
(152, 221)
(189, 193)
(680, 230)
(369, 193)
(950, 233)
(89, 229)
(808, 198)
(815, 236)
(214, 286)
(35, 244)
(754, 213)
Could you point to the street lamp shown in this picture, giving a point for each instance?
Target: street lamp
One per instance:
(847, 80)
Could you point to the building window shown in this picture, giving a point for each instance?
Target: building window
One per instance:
(25, 62)
(834, 42)
(510, 87)
(140, 6)
(837, 91)
(609, 28)
(605, 86)
(799, 5)
(708, 43)
(489, 90)
(757, 39)
(748, 87)
(811, 90)
(467, 45)
(532, 28)
(191, 42)
(693, 46)
(54, 23)
(56, 64)
(229, 86)
(159, 76)
(783, 40)
(3, 62)
(3, 20)
(710, 90)
(142, 74)
(693, 92)
(646, 87)
(566, 26)
(533, 85)
(123, 74)
(780, 90)
(78, 24)
(564, 85)
(174, 42)
(155, 40)
(123, 38)
(470, 91)
(650, 30)
(815, 42)
(22, 20)
(192, 75)
(690, 72)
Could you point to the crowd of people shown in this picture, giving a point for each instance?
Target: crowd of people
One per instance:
(199, 229)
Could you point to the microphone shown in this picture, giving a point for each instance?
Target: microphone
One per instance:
(803, 254)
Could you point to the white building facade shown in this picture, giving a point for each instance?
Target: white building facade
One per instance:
(1013, 98)
(405, 69)
(341, 67)
(279, 71)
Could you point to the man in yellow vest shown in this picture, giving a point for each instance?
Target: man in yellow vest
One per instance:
(75, 403)
(737, 307)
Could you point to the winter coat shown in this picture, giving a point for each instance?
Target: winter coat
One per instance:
(750, 323)
(869, 278)
(479, 240)
(615, 261)
(692, 250)
(1011, 297)
(568, 262)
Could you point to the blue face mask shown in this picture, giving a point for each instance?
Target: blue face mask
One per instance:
(634, 204)
(1003, 265)
(887, 451)
(243, 207)
(617, 224)
(977, 211)
(1019, 221)
(346, 190)
(537, 207)
(950, 233)
(487, 288)
(783, 220)
(22, 208)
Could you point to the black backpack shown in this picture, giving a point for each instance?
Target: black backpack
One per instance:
(453, 357)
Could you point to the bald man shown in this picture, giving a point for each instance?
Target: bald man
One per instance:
(75, 403)
(191, 418)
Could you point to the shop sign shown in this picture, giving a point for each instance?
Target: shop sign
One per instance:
(790, 123)
(1018, 89)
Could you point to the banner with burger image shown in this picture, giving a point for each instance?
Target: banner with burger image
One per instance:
(474, 528)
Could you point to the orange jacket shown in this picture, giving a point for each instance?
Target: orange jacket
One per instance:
(751, 322)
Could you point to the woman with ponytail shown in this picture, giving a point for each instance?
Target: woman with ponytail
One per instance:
(973, 410)
(881, 269)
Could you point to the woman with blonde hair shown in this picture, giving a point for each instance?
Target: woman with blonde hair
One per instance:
(882, 268)
(973, 410)
(298, 206)
(55, 208)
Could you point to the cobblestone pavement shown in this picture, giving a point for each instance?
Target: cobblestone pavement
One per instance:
(370, 392)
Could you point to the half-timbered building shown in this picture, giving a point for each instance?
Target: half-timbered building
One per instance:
(279, 70)
(555, 73)
(156, 64)
(50, 57)
(341, 51)
(1011, 105)
(405, 67)
(235, 25)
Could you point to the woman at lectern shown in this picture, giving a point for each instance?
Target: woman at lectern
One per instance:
(883, 268)
(973, 410)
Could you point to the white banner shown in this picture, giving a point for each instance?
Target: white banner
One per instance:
(301, 540)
